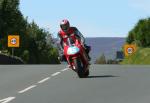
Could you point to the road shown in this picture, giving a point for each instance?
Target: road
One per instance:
(57, 84)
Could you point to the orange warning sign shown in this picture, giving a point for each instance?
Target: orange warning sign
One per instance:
(129, 49)
(13, 40)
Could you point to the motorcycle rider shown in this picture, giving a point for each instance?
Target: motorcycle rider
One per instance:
(67, 30)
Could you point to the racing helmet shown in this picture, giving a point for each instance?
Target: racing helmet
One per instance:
(64, 25)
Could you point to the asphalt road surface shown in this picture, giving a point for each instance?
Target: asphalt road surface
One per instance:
(58, 84)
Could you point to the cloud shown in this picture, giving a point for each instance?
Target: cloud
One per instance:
(143, 5)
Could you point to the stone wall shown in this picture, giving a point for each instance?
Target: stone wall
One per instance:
(4, 59)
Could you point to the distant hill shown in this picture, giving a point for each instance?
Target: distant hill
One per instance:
(106, 45)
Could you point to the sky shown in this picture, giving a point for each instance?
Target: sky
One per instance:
(94, 18)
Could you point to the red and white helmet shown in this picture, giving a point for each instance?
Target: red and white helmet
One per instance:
(64, 25)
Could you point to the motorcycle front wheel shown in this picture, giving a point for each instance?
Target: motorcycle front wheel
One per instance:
(87, 73)
(79, 67)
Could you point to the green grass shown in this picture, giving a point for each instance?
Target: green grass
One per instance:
(142, 56)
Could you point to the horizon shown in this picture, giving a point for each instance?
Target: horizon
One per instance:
(101, 37)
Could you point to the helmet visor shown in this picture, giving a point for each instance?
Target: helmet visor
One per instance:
(64, 27)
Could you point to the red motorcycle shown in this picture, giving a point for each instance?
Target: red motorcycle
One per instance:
(76, 57)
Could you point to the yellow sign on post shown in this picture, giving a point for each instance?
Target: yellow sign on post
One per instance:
(13, 41)
(129, 49)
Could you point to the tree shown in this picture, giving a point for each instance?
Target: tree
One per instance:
(140, 34)
(33, 39)
(130, 37)
(12, 21)
(101, 59)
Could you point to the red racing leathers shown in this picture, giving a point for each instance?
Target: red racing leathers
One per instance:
(74, 33)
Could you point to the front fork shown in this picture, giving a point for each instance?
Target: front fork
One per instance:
(85, 65)
(72, 63)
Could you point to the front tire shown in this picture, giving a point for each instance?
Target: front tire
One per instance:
(87, 73)
(79, 67)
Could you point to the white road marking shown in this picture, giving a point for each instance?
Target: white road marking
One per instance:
(22, 91)
(64, 69)
(6, 100)
(44, 80)
(55, 73)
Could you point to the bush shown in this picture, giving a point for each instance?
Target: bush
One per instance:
(101, 60)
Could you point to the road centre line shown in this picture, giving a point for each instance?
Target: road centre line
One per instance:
(29, 88)
(6, 100)
(55, 74)
(64, 69)
(44, 80)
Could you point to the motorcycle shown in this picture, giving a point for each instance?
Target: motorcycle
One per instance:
(76, 57)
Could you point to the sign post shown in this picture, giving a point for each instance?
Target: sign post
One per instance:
(13, 42)
(12, 52)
